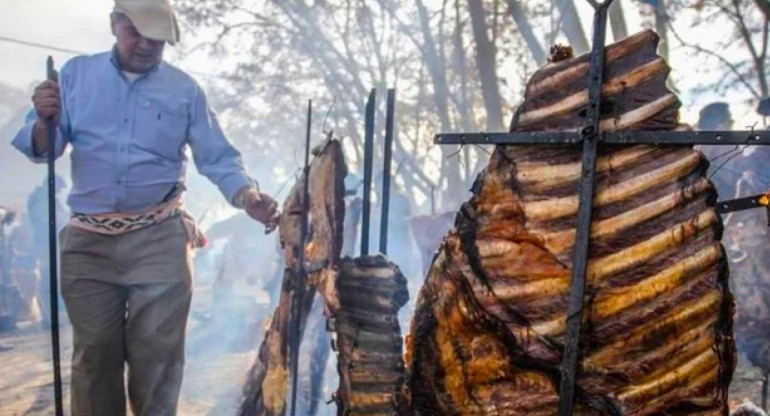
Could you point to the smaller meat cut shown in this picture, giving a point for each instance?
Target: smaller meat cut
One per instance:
(268, 379)
(367, 336)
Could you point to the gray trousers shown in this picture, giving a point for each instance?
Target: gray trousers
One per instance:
(128, 297)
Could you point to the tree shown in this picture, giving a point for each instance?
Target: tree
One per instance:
(764, 6)
(518, 14)
(486, 63)
(743, 23)
(618, 20)
(442, 59)
(573, 29)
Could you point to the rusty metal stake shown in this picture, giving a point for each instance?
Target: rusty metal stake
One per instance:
(295, 337)
(51, 128)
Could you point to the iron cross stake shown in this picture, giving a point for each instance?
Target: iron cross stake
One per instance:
(590, 137)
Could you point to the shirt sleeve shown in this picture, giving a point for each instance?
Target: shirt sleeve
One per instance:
(24, 138)
(214, 156)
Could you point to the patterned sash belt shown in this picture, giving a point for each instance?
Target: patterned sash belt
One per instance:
(116, 224)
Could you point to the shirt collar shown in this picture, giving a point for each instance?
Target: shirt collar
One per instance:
(116, 63)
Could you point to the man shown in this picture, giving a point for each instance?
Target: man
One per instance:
(125, 254)
(717, 116)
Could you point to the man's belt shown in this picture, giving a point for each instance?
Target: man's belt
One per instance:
(121, 223)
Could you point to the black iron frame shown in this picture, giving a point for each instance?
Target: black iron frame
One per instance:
(730, 137)
(390, 132)
(368, 166)
(390, 115)
(590, 138)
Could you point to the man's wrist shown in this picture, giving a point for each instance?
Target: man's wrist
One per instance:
(246, 195)
(39, 133)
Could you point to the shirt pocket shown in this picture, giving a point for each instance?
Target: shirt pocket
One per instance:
(89, 112)
(161, 130)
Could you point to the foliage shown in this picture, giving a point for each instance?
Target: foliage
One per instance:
(333, 51)
(283, 52)
(738, 59)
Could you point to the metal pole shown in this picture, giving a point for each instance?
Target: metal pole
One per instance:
(389, 133)
(53, 263)
(368, 161)
(580, 253)
(764, 391)
(299, 292)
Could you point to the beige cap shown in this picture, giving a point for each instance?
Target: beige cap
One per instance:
(153, 19)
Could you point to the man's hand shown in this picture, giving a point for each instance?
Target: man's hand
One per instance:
(47, 102)
(262, 208)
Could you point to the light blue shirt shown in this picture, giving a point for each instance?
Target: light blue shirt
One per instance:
(128, 139)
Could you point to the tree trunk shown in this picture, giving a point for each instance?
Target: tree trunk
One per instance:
(485, 61)
(535, 48)
(466, 112)
(618, 21)
(450, 170)
(437, 74)
(466, 115)
(661, 26)
(764, 6)
(572, 27)
(758, 54)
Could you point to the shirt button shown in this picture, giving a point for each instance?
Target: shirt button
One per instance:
(119, 182)
(125, 120)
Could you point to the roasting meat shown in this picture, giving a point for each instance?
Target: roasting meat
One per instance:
(268, 380)
(368, 337)
(488, 330)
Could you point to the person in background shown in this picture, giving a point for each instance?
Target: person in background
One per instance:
(24, 271)
(763, 109)
(37, 213)
(128, 117)
(717, 116)
(6, 218)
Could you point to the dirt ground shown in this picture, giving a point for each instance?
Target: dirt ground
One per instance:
(212, 377)
(211, 385)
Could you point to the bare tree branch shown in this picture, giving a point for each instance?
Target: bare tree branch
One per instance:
(721, 58)
(618, 21)
(570, 21)
(517, 12)
(764, 6)
(759, 63)
(486, 64)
